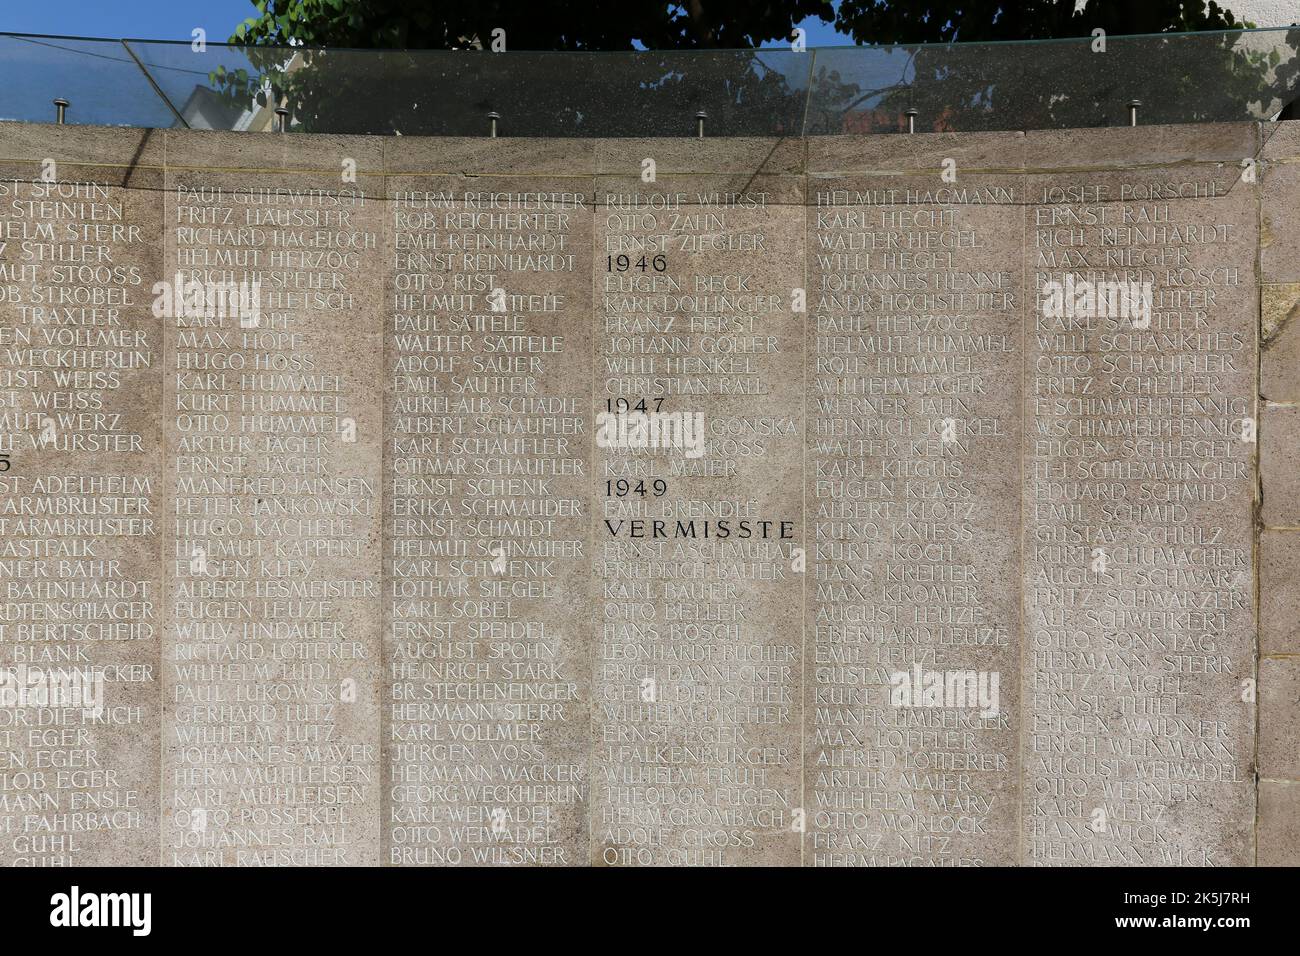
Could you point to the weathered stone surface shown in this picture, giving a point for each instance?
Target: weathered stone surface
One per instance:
(1279, 592)
(272, 651)
(913, 483)
(80, 496)
(1279, 360)
(1279, 465)
(1138, 500)
(1279, 823)
(1279, 240)
(488, 502)
(697, 672)
(392, 582)
(1279, 718)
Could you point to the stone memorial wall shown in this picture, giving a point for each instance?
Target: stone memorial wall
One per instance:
(845, 501)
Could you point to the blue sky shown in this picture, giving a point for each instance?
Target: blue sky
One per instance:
(148, 19)
(174, 19)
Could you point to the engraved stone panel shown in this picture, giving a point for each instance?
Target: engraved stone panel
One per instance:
(80, 496)
(699, 325)
(913, 479)
(846, 501)
(1138, 498)
(273, 422)
(487, 478)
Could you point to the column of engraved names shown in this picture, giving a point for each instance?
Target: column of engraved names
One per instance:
(487, 465)
(79, 496)
(272, 646)
(913, 478)
(1138, 498)
(699, 404)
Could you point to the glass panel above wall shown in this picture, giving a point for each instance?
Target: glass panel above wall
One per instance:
(99, 79)
(1056, 84)
(963, 87)
(455, 93)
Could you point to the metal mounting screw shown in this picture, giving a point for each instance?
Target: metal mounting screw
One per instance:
(1133, 112)
(61, 110)
(283, 113)
(493, 117)
(911, 115)
(700, 117)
